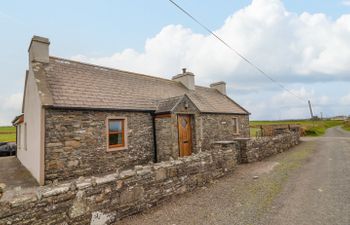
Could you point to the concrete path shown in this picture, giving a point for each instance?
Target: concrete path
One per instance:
(13, 174)
(310, 184)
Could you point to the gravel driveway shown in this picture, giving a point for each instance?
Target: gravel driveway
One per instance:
(309, 184)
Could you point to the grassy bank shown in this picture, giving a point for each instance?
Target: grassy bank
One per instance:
(311, 128)
(346, 126)
(7, 134)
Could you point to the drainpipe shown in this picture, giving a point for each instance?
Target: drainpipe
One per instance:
(155, 160)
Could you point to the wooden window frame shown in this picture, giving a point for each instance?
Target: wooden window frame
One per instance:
(124, 133)
(237, 126)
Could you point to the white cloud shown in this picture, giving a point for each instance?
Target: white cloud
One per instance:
(290, 47)
(345, 100)
(283, 105)
(346, 2)
(13, 102)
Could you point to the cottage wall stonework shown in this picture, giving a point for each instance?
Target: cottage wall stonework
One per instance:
(219, 127)
(76, 140)
(76, 143)
(167, 136)
(206, 129)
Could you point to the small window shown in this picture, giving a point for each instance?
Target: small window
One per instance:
(116, 134)
(235, 125)
(25, 136)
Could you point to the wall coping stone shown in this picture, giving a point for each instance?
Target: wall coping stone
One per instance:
(48, 192)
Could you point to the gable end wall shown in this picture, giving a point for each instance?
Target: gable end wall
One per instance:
(30, 154)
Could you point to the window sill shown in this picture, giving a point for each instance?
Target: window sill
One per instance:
(113, 149)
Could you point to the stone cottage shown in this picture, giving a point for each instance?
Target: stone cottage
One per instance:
(81, 119)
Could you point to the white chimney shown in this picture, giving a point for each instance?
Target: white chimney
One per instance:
(220, 86)
(39, 49)
(186, 78)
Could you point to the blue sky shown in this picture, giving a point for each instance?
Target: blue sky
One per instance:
(100, 31)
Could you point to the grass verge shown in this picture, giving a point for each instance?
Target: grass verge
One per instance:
(346, 126)
(7, 134)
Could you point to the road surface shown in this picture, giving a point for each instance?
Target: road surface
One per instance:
(310, 184)
(320, 193)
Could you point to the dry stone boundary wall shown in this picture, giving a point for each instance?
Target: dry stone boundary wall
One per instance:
(260, 148)
(107, 199)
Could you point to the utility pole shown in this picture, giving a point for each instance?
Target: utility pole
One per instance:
(311, 113)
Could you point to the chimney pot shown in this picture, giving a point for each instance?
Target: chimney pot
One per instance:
(183, 70)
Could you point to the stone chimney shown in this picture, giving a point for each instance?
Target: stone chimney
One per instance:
(220, 86)
(39, 49)
(186, 78)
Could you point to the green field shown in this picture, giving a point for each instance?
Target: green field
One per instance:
(311, 128)
(7, 134)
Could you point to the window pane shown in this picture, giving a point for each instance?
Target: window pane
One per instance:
(115, 139)
(115, 125)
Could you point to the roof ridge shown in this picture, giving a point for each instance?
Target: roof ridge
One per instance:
(110, 68)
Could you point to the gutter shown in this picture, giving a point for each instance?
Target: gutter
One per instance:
(155, 150)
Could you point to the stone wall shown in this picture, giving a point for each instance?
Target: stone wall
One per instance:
(219, 127)
(76, 143)
(276, 129)
(259, 148)
(107, 199)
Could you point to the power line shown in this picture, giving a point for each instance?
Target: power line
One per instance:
(237, 52)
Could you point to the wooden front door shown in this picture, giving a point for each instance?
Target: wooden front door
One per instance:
(185, 135)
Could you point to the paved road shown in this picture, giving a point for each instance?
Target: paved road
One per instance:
(308, 185)
(320, 193)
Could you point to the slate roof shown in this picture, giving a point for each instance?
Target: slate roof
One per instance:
(70, 84)
(166, 105)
